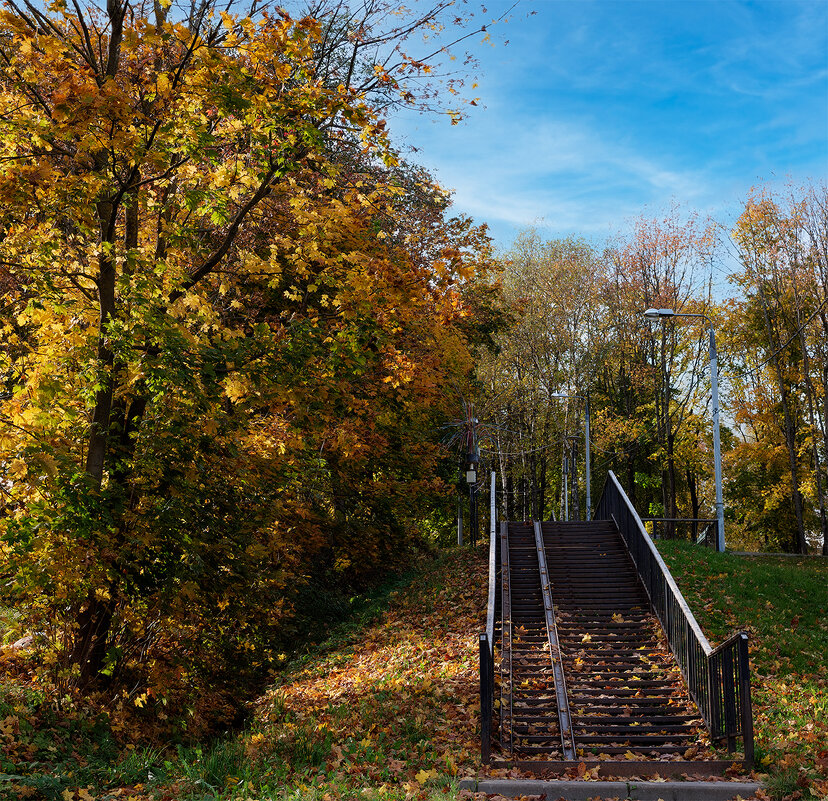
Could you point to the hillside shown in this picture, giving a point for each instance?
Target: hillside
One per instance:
(782, 602)
(387, 708)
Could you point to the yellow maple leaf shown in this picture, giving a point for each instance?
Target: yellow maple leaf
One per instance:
(17, 468)
(424, 775)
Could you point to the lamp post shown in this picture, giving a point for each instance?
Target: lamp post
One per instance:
(662, 314)
(586, 438)
(472, 462)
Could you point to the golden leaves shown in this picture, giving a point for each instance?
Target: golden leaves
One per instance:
(422, 776)
(313, 336)
(162, 85)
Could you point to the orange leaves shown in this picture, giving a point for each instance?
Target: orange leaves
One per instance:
(399, 702)
(240, 343)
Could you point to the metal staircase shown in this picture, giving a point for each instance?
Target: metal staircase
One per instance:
(591, 661)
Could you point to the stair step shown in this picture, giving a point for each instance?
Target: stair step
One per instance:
(624, 690)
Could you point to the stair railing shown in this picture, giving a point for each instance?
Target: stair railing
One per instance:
(718, 679)
(677, 528)
(487, 666)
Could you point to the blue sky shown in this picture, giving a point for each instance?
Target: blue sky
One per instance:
(600, 110)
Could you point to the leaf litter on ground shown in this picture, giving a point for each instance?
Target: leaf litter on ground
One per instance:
(391, 712)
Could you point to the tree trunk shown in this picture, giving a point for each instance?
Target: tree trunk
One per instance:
(99, 431)
(822, 416)
(573, 475)
(542, 490)
(812, 418)
(671, 476)
(89, 648)
(789, 429)
(510, 495)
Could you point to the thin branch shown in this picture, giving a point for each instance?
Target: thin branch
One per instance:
(220, 252)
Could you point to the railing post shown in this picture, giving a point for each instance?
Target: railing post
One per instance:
(486, 697)
(747, 706)
(731, 719)
(713, 685)
(717, 726)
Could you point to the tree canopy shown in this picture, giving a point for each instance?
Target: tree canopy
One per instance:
(229, 312)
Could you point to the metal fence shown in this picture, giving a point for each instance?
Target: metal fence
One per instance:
(718, 679)
(701, 530)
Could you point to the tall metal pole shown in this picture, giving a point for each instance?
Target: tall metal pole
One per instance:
(473, 513)
(588, 465)
(493, 506)
(588, 473)
(459, 519)
(717, 449)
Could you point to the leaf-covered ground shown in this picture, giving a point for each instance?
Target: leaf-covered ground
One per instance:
(395, 712)
(389, 710)
(782, 602)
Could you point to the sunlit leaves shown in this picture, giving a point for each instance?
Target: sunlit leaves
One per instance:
(226, 331)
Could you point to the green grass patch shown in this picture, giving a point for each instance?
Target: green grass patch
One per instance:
(782, 603)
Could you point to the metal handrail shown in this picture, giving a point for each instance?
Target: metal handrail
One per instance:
(709, 535)
(492, 599)
(487, 637)
(718, 679)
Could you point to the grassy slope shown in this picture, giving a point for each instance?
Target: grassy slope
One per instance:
(386, 710)
(782, 603)
(389, 710)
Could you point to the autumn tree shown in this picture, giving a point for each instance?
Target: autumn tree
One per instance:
(550, 287)
(580, 330)
(219, 334)
(781, 326)
(666, 263)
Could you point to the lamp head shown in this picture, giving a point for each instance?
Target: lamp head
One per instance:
(658, 314)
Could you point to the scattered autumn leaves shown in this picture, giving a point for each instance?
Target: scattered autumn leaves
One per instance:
(781, 602)
(398, 707)
(392, 713)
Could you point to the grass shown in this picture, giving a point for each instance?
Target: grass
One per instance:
(386, 709)
(782, 603)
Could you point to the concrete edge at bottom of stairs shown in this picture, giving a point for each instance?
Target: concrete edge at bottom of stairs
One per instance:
(632, 790)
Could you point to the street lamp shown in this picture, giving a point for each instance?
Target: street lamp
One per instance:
(472, 462)
(661, 314)
(586, 438)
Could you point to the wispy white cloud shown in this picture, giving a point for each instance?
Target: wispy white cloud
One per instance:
(599, 109)
(575, 177)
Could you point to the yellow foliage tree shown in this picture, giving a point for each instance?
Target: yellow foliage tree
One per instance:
(220, 336)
